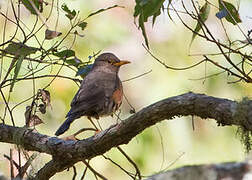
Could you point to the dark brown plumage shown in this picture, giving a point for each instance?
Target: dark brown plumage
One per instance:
(100, 92)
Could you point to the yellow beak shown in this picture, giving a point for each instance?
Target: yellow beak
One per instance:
(121, 63)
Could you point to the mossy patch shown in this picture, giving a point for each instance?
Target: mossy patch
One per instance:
(241, 116)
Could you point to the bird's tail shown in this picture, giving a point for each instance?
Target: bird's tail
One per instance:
(65, 126)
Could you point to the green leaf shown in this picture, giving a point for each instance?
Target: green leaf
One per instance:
(19, 49)
(82, 25)
(235, 17)
(74, 61)
(28, 5)
(203, 15)
(155, 16)
(69, 14)
(101, 10)
(145, 9)
(16, 70)
(65, 53)
(141, 25)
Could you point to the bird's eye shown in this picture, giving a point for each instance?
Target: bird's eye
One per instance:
(110, 61)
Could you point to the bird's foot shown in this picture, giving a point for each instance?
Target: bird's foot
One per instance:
(97, 131)
(71, 137)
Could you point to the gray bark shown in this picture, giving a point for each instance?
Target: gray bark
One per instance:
(223, 171)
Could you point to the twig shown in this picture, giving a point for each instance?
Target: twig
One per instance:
(75, 173)
(138, 173)
(137, 76)
(84, 172)
(14, 162)
(162, 146)
(169, 67)
(119, 166)
(11, 164)
(94, 171)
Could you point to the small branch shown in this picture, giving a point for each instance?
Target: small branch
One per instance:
(94, 171)
(131, 162)
(169, 67)
(129, 79)
(75, 173)
(11, 164)
(119, 166)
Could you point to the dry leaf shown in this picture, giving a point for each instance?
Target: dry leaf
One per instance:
(46, 98)
(27, 115)
(34, 121)
(51, 34)
(42, 108)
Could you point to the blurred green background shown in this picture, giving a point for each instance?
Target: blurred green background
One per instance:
(159, 146)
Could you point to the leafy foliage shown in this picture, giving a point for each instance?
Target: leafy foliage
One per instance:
(29, 6)
(228, 11)
(145, 9)
(73, 61)
(19, 49)
(203, 15)
(82, 25)
(65, 53)
(69, 14)
(16, 70)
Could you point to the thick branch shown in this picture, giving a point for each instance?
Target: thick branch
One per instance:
(225, 112)
(231, 170)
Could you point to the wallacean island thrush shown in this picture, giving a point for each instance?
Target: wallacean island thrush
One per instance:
(100, 93)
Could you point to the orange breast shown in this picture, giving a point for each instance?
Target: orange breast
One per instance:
(117, 97)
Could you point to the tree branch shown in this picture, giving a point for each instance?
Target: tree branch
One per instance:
(67, 153)
(230, 170)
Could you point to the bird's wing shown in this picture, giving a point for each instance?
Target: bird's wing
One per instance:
(89, 97)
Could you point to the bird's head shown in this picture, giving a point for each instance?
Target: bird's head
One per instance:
(109, 60)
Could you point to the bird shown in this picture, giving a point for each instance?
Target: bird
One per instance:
(100, 93)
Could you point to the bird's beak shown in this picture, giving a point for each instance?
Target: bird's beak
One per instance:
(121, 63)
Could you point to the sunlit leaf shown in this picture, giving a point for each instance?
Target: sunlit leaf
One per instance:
(230, 10)
(16, 71)
(70, 14)
(203, 15)
(101, 10)
(19, 49)
(65, 53)
(82, 25)
(51, 34)
(29, 6)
